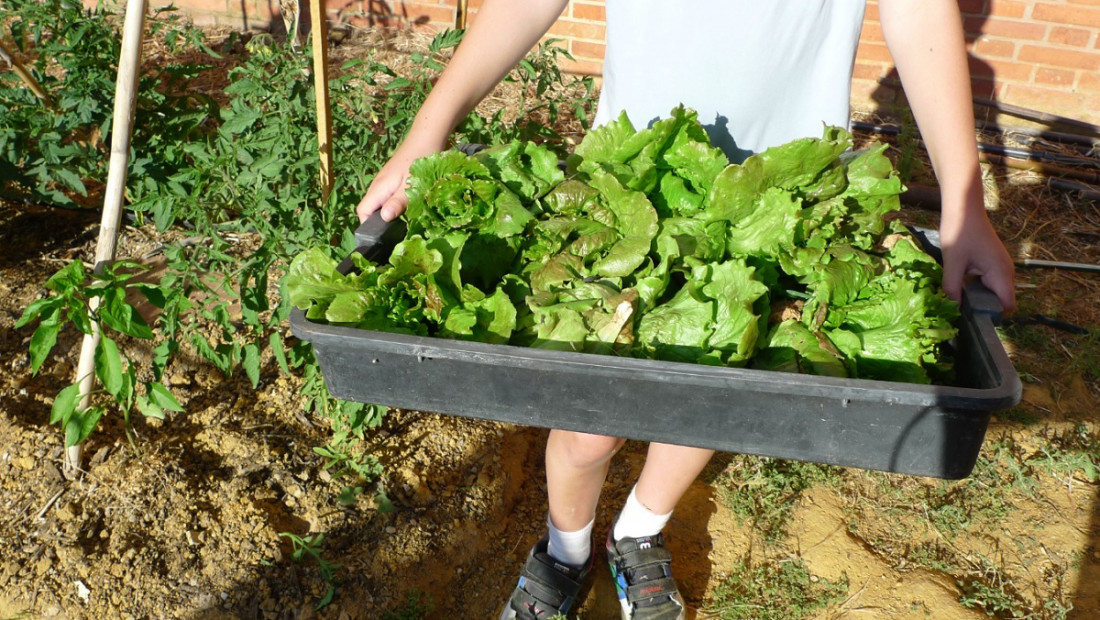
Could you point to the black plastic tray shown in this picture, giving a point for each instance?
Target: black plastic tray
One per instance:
(926, 430)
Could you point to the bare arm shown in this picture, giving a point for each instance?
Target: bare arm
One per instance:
(926, 39)
(502, 33)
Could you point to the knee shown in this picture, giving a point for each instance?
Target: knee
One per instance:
(581, 450)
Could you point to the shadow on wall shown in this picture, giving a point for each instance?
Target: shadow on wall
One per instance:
(890, 101)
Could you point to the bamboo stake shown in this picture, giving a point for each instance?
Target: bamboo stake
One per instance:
(122, 126)
(9, 56)
(319, 29)
(461, 14)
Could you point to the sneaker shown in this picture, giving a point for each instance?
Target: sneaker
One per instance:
(642, 571)
(547, 588)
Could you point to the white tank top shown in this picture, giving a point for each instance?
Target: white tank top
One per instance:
(759, 72)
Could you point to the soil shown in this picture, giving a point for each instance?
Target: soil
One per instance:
(187, 520)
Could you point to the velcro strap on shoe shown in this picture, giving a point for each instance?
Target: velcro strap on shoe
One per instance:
(526, 605)
(547, 584)
(651, 589)
(642, 558)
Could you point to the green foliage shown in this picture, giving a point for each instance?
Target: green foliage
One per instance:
(1071, 454)
(418, 606)
(773, 591)
(764, 491)
(54, 151)
(239, 175)
(547, 97)
(988, 589)
(96, 303)
(956, 507)
(311, 547)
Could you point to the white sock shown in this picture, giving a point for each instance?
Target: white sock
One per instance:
(572, 548)
(636, 521)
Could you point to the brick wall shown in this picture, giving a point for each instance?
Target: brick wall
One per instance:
(1039, 54)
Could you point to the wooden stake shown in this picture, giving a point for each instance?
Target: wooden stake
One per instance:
(121, 128)
(319, 30)
(460, 15)
(9, 56)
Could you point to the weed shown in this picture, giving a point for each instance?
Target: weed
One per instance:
(954, 507)
(311, 547)
(782, 590)
(909, 164)
(1019, 415)
(764, 491)
(418, 605)
(989, 590)
(1086, 360)
(932, 555)
(1075, 451)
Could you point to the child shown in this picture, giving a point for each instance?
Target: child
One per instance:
(765, 73)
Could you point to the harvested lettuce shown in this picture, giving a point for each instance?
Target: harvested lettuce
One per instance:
(653, 245)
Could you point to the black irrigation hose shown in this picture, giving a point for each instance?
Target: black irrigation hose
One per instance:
(1084, 190)
(1082, 142)
(1001, 151)
(1040, 319)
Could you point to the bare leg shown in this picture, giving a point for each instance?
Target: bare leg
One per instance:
(576, 466)
(668, 472)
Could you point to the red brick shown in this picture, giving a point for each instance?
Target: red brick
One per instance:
(1056, 57)
(870, 96)
(1007, 8)
(1054, 77)
(873, 52)
(582, 67)
(871, 12)
(343, 5)
(983, 88)
(870, 71)
(209, 6)
(1003, 70)
(872, 33)
(202, 19)
(1089, 82)
(1063, 35)
(972, 6)
(1007, 28)
(1054, 100)
(586, 49)
(589, 12)
(998, 48)
(577, 30)
(1065, 14)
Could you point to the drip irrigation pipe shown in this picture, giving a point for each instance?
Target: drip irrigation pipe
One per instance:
(1038, 116)
(1083, 190)
(1084, 144)
(997, 150)
(1053, 264)
(1089, 176)
(1040, 319)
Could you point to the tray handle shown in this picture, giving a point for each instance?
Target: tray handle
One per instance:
(982, 301)
(375, 231)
